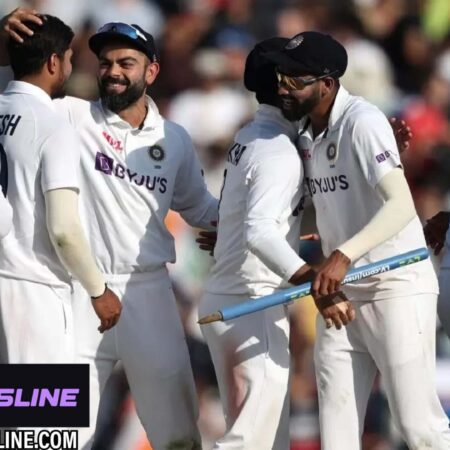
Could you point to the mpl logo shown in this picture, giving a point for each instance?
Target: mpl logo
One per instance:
(114, 143)
(44, 395)
(305, 153)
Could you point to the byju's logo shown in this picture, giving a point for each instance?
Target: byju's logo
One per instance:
(104, 163)
(44, 395)
(108, 166)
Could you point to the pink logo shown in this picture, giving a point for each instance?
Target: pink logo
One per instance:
(305, 153)
(115, 144)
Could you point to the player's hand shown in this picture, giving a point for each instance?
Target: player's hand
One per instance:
(330, 274)
(12, 25)
(436, 229)
(402, 133)
(336, 309)
(108, 309)
(207, 239)
(310, 237)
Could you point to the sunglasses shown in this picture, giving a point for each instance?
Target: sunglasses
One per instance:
(299, 83)
(124, 29)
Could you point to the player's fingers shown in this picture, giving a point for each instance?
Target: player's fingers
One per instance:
(337, 321)
(343, 317)
(19, 27)
(310, 237)
(16, 37)
(438, 248)
(315, 287)
(328, 323)
(351, 313)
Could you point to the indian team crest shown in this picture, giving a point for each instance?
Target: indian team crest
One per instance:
(294, 42)
(157, 153)
(332, 153)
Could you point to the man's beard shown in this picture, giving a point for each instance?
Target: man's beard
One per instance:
(59, 91)
(117, 102)
(294, 110)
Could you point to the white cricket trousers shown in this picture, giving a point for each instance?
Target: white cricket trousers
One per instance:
(35, 323)
(251, 359)
(444, 300)
(150, 341)
(397, 336)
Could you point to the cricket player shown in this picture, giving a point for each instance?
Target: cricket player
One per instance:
(39, 174)
(364, 213)
(135, 165)
(5, 215)
(257, 253)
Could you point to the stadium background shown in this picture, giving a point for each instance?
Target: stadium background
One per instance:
(399, 58)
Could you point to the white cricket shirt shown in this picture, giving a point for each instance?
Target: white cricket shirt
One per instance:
(342, 167)
(5, 213)
(129, 179)
(259, 209)
(41, 151)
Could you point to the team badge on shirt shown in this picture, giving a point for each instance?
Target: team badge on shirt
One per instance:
(332, 154)
(156, 152)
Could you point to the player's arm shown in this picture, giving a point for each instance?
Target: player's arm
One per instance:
(59, 181)
(376, 148)
(271, 183)
(5, 216)
(70, 244)
(191, 197)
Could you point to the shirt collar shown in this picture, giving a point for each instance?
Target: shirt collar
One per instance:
(23, 87)
(269, 112)
(338, 109)
(152, 118)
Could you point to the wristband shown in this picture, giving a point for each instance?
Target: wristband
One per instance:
(101, 295)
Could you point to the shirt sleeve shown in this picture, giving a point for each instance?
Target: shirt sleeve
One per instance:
(5, 216)
(375, 146)
(191, 197)
(271, 184)
(60, 159)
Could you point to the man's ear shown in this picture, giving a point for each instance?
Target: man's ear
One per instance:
(151, 73)
(53, 63)
(329, 83)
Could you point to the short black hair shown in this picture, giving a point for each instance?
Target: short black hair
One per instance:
(28, 58)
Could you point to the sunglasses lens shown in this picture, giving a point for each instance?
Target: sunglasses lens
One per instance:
(120, 28)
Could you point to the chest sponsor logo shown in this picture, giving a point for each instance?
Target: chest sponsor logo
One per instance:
(382, 156)
(324, 185)
(107, 165)
(114, 143)
(235, 153)
(305, 153)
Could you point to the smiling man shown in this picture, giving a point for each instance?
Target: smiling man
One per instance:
(135, 165)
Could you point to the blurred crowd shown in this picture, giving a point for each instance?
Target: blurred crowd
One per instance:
(399, 59)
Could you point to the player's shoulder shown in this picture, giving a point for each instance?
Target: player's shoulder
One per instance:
(361, 113)
(176, 134)
(74, 109)
(263, 139)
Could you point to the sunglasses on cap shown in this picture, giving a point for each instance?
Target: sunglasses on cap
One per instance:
(124, 29)
(298, 83)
